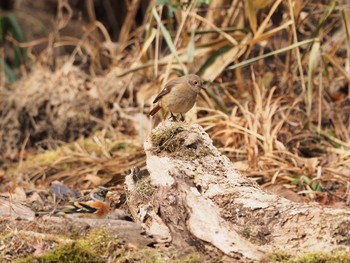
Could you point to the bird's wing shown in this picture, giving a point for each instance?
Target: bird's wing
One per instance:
(167, 88)
(161, 94)
(79, 207)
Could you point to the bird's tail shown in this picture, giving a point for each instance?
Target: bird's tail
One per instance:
(154, 110)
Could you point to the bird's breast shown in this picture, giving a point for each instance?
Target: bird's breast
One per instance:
(179, 102)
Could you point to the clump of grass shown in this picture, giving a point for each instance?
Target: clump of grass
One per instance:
(310, 257)
(180, 140)
(166, 139)
(70, 163)
(143, 191)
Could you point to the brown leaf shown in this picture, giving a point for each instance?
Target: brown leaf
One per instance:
(14, 210)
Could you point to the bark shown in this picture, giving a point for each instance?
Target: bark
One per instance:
(193, 199)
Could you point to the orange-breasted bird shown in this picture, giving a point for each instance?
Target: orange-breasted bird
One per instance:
(96, 207)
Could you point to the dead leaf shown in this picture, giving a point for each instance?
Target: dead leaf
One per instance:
(311, 164)
(19, 195)
(241, 166)
(329, 159)
(94, 179)
(284, 192)
(10, 209)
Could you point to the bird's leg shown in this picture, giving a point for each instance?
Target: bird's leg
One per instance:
(173, 117)
(182, 118)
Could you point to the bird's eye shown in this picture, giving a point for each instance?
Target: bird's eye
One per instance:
(195, 83)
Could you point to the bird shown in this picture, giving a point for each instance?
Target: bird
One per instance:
(96, 207)
(178, 96)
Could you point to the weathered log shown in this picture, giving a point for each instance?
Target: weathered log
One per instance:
(130, 232)
(194, 199)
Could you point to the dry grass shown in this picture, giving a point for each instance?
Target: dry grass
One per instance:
(86, 163)
(277, 79)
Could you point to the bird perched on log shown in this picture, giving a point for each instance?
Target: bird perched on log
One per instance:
(178, 96)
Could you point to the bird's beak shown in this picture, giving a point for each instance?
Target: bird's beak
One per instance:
(201, 87)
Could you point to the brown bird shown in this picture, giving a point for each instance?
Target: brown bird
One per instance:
(178, 96)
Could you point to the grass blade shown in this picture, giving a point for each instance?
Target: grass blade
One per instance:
(312, 65)
(168, 39)
(273, 53)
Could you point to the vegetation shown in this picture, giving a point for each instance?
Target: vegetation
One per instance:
(334, 256)
(75, 92)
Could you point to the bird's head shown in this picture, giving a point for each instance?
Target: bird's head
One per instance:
(195, 82)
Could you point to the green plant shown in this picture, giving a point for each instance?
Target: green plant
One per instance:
(9, 25)
(306, 183)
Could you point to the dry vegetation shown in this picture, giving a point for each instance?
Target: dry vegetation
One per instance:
(277, 77)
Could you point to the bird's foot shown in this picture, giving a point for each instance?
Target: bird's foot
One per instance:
(173, 117)
(182, 118)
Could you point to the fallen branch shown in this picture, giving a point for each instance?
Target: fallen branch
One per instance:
(197, 201)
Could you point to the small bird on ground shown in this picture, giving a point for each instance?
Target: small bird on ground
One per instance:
(96, 207)
(178, 96)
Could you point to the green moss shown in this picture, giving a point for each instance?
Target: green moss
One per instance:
(5, 234)
(317, 257)
(190, 258)
(119, 146)
(337, 256)
(277, 256)
(163, 139)
(28, 259)
(172, 139)
(91, 248)
(98, 240)
(88, 144)
(47, 157)
(42, 159)
(72, 252)
(149, 255)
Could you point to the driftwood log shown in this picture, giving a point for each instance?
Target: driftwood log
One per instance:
(194, 200)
